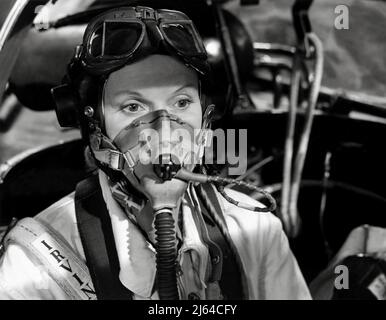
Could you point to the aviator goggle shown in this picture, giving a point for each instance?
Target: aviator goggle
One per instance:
(120, 35)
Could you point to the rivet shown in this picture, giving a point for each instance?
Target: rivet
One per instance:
(216, 259)
(89, 112)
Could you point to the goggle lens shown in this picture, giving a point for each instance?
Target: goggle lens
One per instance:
(181, 36)
(115, 39)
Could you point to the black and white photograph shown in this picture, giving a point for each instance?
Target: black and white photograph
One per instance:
(220, 150)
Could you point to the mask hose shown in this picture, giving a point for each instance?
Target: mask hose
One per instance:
(166, 257)
(219, 182)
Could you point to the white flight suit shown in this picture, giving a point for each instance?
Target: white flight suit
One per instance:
(272, 271)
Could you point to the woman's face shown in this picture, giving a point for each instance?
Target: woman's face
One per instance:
(155, 83)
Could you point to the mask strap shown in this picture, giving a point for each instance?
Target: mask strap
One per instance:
(102, 106)
(208, 116)
(204, 139)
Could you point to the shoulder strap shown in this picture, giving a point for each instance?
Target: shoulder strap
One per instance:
(230, 281)
(55, 255)
(98, 241)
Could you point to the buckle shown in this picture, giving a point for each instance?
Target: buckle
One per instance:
(146, 13)
(129, 159)
(115, 160)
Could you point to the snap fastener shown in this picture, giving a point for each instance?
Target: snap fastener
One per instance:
(193, 296)
(216, 259)
(89, 112)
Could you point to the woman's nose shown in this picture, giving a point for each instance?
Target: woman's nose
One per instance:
(160, 106)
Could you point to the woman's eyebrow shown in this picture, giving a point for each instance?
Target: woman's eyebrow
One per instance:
(186, 86)
(121, 95)
(128, 93)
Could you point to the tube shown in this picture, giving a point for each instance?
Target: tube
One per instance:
(219, 182)
(306, 133)
(166, 248)
(289, 145)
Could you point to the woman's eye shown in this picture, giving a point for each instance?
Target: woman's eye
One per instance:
(183, 103)
(132, 107)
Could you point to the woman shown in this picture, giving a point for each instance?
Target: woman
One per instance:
(139, 228)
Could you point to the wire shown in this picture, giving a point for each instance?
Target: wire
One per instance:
(289, 144)
(255, 167)
(219, 182)
(305, 136)
(323, 201)
(329, 185)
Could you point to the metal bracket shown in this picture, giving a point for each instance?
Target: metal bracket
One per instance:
(115, 160)
(302, 23)
(147, 13)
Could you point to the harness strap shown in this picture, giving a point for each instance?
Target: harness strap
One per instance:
(216, 256)
(230, 275)
(98, 241)
(55, 255)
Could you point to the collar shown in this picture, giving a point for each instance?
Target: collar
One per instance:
(135, 252)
